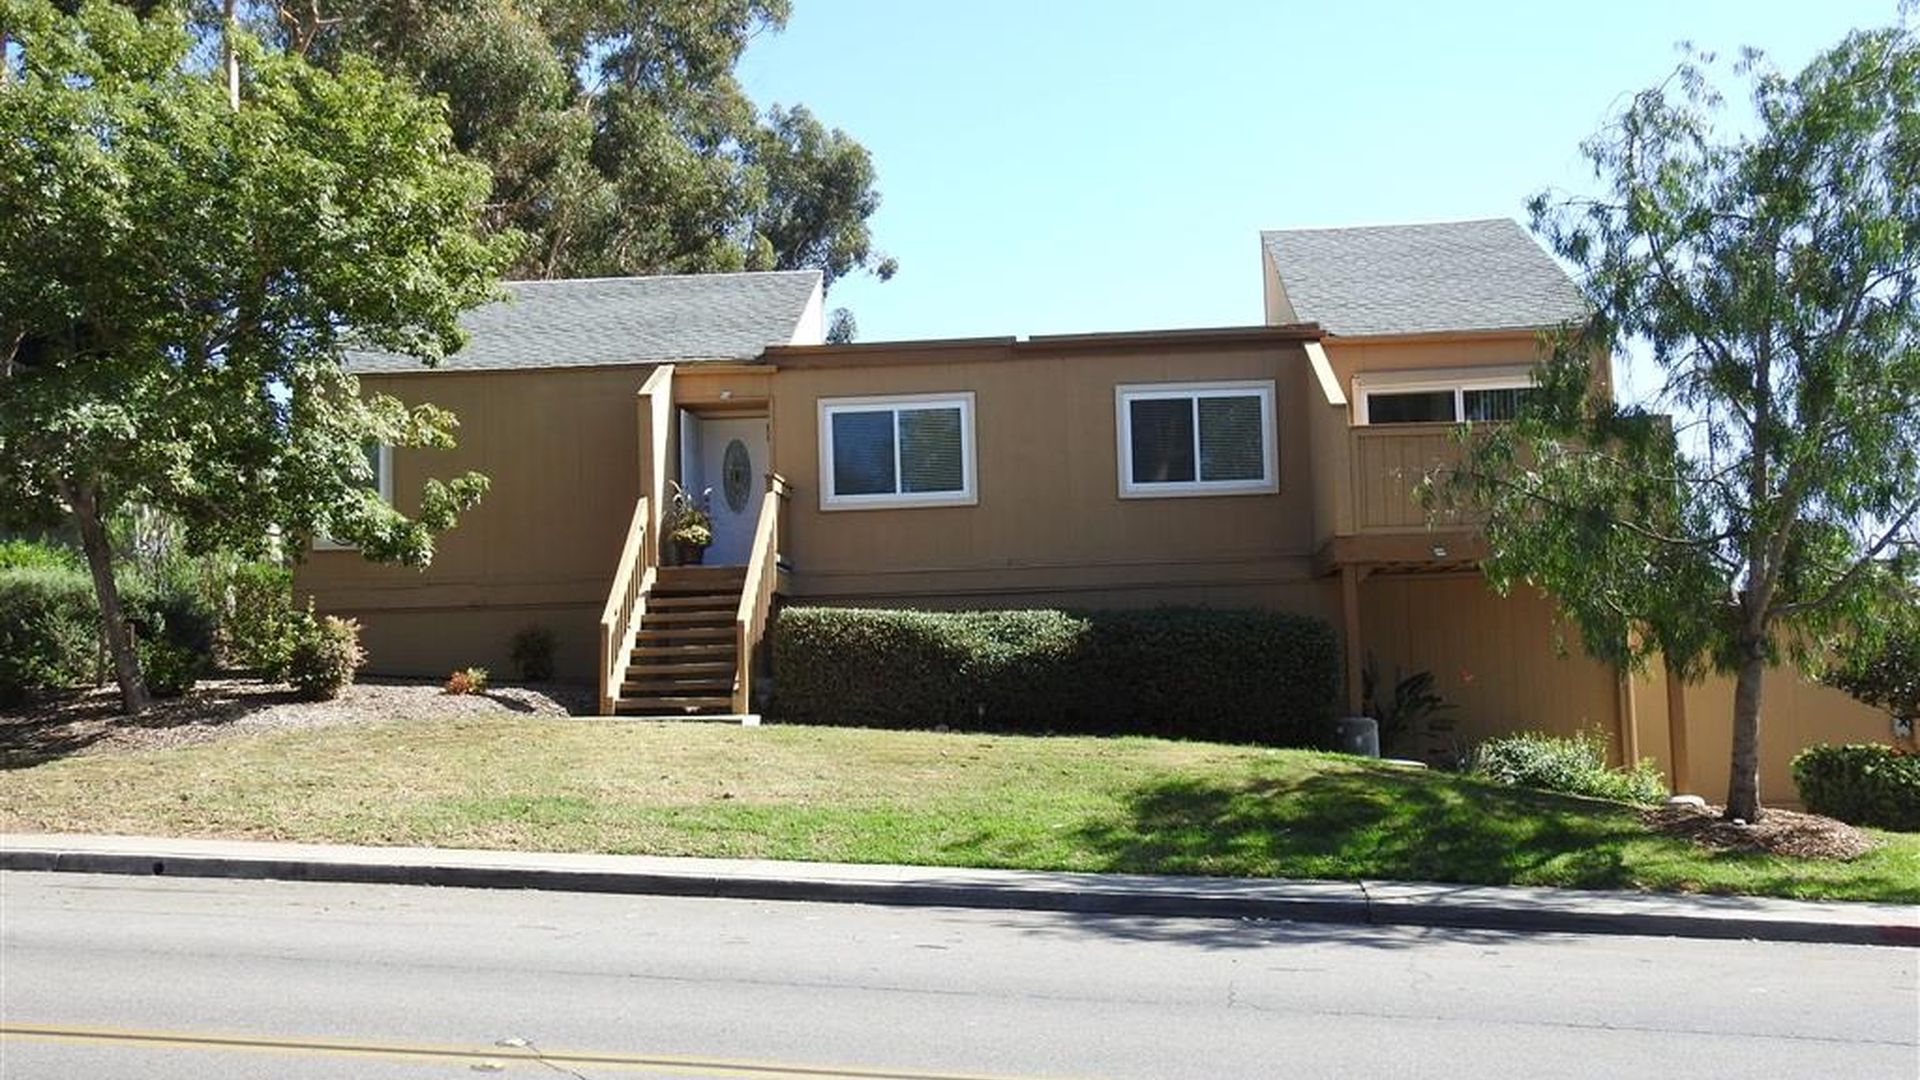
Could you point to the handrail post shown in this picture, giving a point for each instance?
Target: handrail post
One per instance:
(626, 602)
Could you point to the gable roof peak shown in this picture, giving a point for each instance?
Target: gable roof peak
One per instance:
(1426, 277)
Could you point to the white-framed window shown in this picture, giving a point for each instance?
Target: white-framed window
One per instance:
(1207, 438)
(380, 464)
(897, 451)
(1439, 398)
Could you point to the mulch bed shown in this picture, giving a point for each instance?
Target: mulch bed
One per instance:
(1778, 832)
(89, 721)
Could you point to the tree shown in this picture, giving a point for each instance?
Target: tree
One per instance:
(180, 281)
(618, 137)
(1882, 669)
(1772, 278)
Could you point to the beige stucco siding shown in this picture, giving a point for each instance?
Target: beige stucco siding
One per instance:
(559, 446)
(1050, 525)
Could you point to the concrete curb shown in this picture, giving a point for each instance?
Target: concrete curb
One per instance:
(1361, 903)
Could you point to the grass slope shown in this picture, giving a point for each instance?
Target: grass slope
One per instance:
(1140, 805)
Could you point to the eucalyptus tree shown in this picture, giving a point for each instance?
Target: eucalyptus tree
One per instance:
(180, 280)
(1767, 498)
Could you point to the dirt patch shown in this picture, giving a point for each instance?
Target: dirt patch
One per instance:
(89, 721)
(1778, 832)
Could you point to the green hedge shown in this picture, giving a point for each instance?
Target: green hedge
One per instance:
(48, 635)
(1865, 784)
(1236, 676)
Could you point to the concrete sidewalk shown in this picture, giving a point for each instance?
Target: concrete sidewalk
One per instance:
(1365, 902)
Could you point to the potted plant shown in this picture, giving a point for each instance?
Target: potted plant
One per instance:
(688, 525)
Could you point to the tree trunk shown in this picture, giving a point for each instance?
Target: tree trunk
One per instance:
(229, 59)
(93, 538)
(1743, 784)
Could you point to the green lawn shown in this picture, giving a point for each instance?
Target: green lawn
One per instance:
(1140, 805)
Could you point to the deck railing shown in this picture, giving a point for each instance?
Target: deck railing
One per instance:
(756, 593)
(626, 603)
(1389, 461)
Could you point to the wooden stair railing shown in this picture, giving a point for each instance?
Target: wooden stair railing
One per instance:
(626, 602)
(756, 592)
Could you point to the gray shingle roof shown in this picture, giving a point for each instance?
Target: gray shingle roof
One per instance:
(571, 323)
(1414, 279)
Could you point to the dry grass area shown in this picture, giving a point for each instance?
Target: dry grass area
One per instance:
(90, 721)
(497, 778)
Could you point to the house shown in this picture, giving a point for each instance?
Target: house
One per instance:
(1268, 465)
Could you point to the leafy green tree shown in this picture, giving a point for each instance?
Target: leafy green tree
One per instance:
(619, 139)
(1882, 668)
(1772, 277)
(180, 280)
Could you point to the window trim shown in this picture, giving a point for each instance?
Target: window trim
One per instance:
(969, 493)
(1429, 381)
(383, 486)
(1126, 393)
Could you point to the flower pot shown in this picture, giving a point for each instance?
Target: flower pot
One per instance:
(689, 554)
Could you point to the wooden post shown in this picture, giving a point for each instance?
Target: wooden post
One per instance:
(1350, 618)
(1677, 728)
(1629, 717)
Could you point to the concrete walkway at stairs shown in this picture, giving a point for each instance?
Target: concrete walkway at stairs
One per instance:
(1364, 902)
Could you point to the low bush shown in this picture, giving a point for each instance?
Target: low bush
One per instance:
(532, 654)
(1575, 765)
(39, 555)
(1863, 784)
(49, 635)
(169, 669)
(262, 624)
(471, 680)
(174, 630)
(1236, 676)
(325, 655)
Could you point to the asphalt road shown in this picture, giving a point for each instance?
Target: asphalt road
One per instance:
(163, 978)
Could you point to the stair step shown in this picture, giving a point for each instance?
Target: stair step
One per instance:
(682, 669)
(688, 633)
(716, 617)
(726, 602)
(640, 652)
(646, 683)
(681, 580)
(668, 703)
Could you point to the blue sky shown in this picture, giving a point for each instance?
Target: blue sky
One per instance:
(1057, 166)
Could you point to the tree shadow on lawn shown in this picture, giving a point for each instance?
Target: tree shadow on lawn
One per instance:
(1421, 827)
(1373, 824)
(64, 724)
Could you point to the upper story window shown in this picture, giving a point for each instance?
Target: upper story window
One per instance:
(1212, 438)
(910, 450)
(380, 469)
(1434, 398)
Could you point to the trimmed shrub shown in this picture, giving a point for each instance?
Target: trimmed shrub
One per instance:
(169, 669)
(260, 631)
(324, 658)
(1862, 784)
(1236, 676)
(532, 654)
(1574, 765)
(49, 634)
(174, 630)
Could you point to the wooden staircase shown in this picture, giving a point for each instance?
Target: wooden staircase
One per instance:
(685, 657)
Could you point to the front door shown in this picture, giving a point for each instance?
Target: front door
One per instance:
(731, 463)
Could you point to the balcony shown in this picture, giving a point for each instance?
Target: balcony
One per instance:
(1388, 464)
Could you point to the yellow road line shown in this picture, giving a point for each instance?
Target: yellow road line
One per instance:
(505, 1055)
